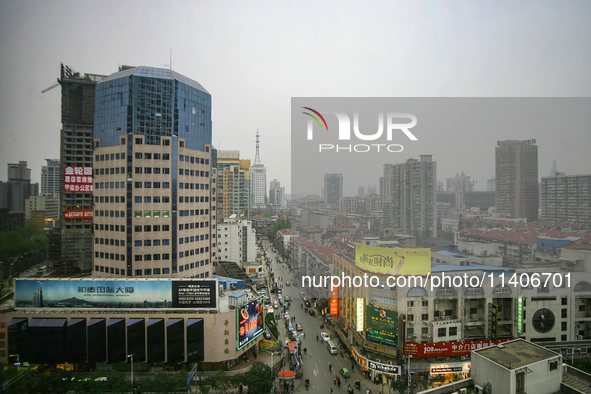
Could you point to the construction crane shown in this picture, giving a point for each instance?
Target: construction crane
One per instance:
(49, 88)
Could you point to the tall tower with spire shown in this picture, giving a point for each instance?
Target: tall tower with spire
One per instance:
(259, 178)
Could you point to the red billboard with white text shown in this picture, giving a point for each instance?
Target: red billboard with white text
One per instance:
(334, 301)
(78, 179)
(80, 214)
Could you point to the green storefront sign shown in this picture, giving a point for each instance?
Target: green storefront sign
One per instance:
(519, 315)
(381, 325)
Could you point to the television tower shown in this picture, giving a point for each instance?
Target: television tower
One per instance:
(257, 157)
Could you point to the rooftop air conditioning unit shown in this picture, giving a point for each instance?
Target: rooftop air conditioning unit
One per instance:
(478, 389)
(425, 322)
(472, 317)
(411, 323)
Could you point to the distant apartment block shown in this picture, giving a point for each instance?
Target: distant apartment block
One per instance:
(333, 188)
(517, 178)
(567, 199)
(412, 195)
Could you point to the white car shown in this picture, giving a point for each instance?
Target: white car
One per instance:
(325, 336)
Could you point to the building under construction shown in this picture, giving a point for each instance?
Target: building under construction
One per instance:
(76, 151)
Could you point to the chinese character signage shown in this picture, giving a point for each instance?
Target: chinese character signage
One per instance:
(384, 368)
(381, 326)
(359, 311)
(115, 293)
(446, 349)
(80, 214)
(334, 301)
(250, 319)
(78, 180)
(393, 261)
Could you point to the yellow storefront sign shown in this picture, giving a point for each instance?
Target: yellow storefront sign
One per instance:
(393, 261)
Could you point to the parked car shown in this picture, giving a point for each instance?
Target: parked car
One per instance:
(286, 283)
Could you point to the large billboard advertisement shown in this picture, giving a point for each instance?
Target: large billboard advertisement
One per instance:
(446, 349)
(250, 319)
(115, 293)
(78, 180)
(381, 325)
(393, 261)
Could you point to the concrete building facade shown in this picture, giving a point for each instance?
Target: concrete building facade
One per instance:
(567, 199)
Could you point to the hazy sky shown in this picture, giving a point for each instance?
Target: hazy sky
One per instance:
(254, 56)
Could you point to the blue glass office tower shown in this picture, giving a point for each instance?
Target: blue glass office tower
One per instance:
(154, 205)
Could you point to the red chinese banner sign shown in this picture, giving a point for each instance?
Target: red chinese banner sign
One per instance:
(81, 214)
(78, 179)
(334, 302)
(446, 349)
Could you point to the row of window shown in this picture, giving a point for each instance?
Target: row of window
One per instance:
(152, 199)
(152, 170)
(109, 214)
(193, 252)
(108, 199)
(193, 173)
(112, 156)
(107, 171)
(107, 227)
(155, 156)
(150, 214)
(198, 186)
(152, 257)
(152, 242)
(148, 228)
(196, 264)
(192, 159)
(196, 238)
(140, 141)
(115, 271)
(109, 241)
(152, 185)
(109, 256)
(196, 199)
(109, 185)
(187, 226)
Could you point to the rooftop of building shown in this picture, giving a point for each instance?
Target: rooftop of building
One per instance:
(153, 72)
(516, 354)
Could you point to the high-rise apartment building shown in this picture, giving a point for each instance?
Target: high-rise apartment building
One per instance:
(259, 179)
(15, 192)
(76, 158)
(154, 176)
(517, 179)
(412, 197)
(333, 188)
(491, 185)
(233, 185)
(276, 193)
(567, 199)
(50, 176)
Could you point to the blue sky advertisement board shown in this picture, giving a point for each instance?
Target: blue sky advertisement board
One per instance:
(115, 293)
(250, 319)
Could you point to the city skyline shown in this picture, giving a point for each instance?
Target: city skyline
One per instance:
(442, 60)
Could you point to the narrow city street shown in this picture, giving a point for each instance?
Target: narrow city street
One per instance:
(317, 359)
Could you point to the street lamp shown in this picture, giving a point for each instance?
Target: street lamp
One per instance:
(130, 356)
(572, 362)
